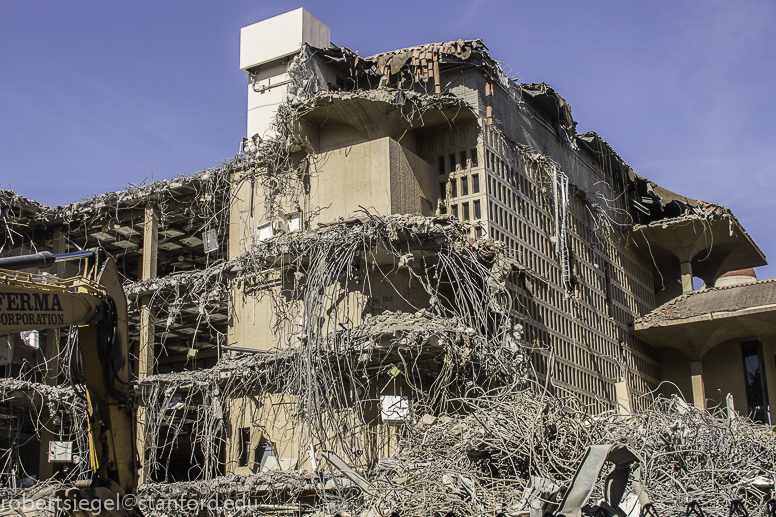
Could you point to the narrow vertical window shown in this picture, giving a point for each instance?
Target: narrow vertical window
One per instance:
(463, 159)
(454, 187)
(441, 165)
(244, 443)
(477, 210)
(474, 158)
(476, 183)
(452, 162)
(454, 210)
(464, 186)
(608, 289)
(466, 211)
(754, 379)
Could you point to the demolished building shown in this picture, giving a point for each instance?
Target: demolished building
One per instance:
(411, 253)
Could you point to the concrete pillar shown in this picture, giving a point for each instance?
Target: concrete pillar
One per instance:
(686, 271)
(698, 391)
(148, 270)
(150, 242)
(623, 395)
(437, 79)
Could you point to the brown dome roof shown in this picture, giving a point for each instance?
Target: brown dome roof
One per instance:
(741, 272)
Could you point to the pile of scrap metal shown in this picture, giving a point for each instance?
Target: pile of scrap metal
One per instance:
(509, 447)
(519, 452)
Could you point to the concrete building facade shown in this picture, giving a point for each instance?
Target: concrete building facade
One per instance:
(333, 245)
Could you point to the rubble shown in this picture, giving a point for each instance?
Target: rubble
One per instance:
(488, 458)
(483, 461)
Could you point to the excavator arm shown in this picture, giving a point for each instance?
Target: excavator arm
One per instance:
(99, 308)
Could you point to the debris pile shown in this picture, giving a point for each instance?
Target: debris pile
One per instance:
(484, 462)
(507, 449)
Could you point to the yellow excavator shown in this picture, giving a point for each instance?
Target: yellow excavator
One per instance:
(94, 302)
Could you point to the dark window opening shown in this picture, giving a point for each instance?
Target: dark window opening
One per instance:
(443, 189)
(452, 162)
(754, 379)
(476, 183)
(477, 210)
(454, 210)
(474, 158)
(464, 186)
(244, 437)
(264, 451)
(454, 188)
(608, 286)
(463, 159)
(441, 165)
(466, 211)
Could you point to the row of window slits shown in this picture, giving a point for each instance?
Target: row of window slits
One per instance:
(464, 214)
(506, 195)
(464, 183)
(449, 162)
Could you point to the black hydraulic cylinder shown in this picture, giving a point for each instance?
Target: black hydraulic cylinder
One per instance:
(42, 259)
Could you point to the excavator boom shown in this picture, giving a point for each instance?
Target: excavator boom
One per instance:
(30, 301)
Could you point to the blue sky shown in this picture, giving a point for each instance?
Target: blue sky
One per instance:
(95, 95)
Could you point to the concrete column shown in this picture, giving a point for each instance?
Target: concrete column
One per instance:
(150, 242)
(437, 79)
(698, 391)
(623, 395)
(148, 269)
(686, 271)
